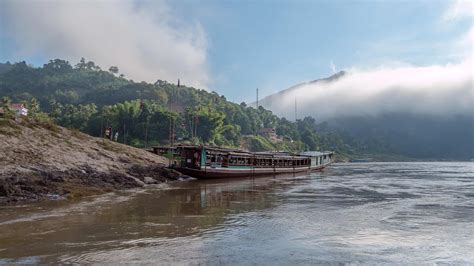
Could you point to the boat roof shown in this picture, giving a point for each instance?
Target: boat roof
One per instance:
(237, 152)
(316, 153)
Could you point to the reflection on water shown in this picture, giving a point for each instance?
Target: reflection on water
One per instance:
(374, 212)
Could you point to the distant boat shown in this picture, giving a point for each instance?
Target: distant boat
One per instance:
(215, 162)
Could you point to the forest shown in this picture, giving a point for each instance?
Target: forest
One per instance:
(90, 99)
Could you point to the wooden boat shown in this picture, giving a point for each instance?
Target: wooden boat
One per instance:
(213, 162)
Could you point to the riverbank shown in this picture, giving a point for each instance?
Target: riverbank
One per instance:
(44, 161)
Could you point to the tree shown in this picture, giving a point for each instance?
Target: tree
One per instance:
(82, 64)
(92, 66)
(34, 106)
(89, 65)
(74, 96)
(6, 103)
(113, 69)
(58, 66)
(56, 109)
(77, 116)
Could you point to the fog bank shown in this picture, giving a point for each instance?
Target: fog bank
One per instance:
(440, 90)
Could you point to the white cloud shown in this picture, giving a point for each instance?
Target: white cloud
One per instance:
(435, 90)
(394, 87)
(458, 9)
(466, 41)
(143, 39)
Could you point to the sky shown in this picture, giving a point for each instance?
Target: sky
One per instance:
(234, 47)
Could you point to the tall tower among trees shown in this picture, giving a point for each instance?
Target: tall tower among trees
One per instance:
(296, 111)
(257, 99)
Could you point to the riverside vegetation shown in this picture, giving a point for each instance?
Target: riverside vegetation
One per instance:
(86, 98)
(55, 152)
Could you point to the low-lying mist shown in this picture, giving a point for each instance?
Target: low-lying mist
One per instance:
(440, 90)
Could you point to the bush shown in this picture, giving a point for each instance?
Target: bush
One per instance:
(45, 121)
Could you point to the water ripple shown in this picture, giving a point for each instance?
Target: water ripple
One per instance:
(368, 213)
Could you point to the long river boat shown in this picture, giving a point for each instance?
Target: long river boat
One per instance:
(213, 162)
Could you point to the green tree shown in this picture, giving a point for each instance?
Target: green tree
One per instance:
(34, 106)
(74, 96)
(82, 64)
(113, 69)
(6, 107)
(58, 66)
(56, 109)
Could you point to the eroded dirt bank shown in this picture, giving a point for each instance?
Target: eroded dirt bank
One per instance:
(44, 161)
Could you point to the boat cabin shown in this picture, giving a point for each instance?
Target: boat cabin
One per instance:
(204, 162)
(199, 156)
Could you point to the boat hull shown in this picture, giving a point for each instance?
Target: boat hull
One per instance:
(229, 172)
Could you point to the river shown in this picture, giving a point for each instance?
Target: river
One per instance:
(350, 213)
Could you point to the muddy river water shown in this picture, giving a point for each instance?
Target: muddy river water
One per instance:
(360, 213)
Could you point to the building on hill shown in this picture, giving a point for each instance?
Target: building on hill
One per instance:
(269, 133)
(18, 108)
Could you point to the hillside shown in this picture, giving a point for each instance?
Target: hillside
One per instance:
(42, 160)
(89, 99)
(397, 129)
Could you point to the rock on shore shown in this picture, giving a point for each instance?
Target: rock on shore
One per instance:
(40, 161)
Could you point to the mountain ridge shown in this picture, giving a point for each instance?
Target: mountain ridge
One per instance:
(415, 135)
(267, 101)
(333, 77)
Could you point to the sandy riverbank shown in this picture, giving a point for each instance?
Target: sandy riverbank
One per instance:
(44, 161)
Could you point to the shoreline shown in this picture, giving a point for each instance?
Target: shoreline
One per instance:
(44, 161)
(76, 183)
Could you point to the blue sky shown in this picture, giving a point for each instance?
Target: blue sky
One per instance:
(271, 45)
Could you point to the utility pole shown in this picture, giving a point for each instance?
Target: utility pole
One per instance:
(146, 132)
(171, 140)
(257, 98)
(296, 111)
(170, 131)
(101, 125)
(124, 134)
(191, 126)
(174, 132)
(196, 121)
